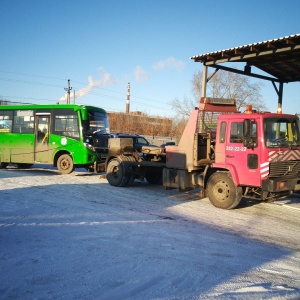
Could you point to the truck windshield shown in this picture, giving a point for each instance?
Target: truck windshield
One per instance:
(281, 132)
(98, 122)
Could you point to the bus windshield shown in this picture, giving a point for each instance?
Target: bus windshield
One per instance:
(281, 132)
(97, 122)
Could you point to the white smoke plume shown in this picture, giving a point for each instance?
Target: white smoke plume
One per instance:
(104, 81)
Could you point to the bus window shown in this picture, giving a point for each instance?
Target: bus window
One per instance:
(66, 125)
(23, 121)
(6, 118)
(42, 129)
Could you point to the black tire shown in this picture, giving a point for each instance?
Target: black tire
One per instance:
(115, 173)
(24, 166)
(222, 192)
(3, 165)
(130, 161)
(130, 180)
(153, 177)
(65, 164)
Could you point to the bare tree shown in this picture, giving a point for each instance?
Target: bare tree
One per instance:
(222, 84)
(230, 85)
(178, 125)
(183, 108)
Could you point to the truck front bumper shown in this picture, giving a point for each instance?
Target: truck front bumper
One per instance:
(275, 185)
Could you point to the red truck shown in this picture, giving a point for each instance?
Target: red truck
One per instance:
(228, 154)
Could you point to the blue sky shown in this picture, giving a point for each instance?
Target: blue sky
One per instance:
(102, 45)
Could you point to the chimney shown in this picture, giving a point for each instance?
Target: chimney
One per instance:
(128, 98)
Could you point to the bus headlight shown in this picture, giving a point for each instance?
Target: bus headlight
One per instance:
(89, 146)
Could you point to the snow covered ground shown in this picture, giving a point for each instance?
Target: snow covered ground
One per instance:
(76, 237)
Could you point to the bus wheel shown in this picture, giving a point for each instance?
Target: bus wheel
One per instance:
(222, 192)
(65, 164)
(3, 165)
(115, 173)
(24, 166)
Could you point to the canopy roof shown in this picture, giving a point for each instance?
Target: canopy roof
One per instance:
(280, 58)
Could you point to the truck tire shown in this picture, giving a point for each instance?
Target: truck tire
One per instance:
(131, 176)
(222, 192)
(115, 173)
(65, 164)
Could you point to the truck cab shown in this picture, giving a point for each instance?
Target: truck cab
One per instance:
(253, 154)
(261, 149)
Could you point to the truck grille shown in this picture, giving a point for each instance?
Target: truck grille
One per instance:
(289, 168)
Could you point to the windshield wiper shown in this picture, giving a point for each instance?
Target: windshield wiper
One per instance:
(99, 130)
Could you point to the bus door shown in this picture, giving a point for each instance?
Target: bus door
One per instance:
(42, 131)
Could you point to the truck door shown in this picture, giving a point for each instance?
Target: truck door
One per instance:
(246, 161)
(42, 131)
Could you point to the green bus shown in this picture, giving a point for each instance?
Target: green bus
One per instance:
(67, 136)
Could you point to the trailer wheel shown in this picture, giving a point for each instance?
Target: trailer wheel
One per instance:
(65, 164)
(115, 173)
(222, 192)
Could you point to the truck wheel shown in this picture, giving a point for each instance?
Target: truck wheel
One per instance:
(115, 173)
(130, 180)
(222, 192)
(131, 176)
(65, 164)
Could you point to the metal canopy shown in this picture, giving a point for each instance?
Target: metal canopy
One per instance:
(279, 57)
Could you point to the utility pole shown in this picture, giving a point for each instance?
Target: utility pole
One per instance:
(68, 89)
(128, 98)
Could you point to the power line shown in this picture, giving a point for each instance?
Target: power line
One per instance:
(133, 96)
(59, 86)
(39, 76)
(93, 93)
(31, 82)
(28, 98)
(122, 93)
